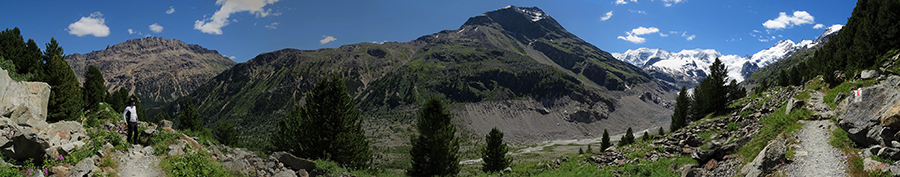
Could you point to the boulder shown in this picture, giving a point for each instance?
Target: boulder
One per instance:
(689, 170)
(838, 97)
(83, 167)
(889, 153)
(868, 74)
(791, 104)
(30, 98)
(891, 117)
(294, 162)
(25, 145)
(285, 173)
(165, 123)
(863, 119)
(767, 159)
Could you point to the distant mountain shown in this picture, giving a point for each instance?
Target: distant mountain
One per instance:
(688, 67)
(514, 68)
(155, 69)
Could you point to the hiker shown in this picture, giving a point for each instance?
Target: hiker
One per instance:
(131, 121)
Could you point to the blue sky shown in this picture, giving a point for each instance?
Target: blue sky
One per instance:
(243, 29)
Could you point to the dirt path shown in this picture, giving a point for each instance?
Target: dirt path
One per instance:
(138, 162)
(813, 156)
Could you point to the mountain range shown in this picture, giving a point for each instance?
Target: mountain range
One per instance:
(155, 69)
(689, 67)
(514, 68)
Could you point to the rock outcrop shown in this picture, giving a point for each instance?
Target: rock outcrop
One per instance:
(23, 102)
(872, 117)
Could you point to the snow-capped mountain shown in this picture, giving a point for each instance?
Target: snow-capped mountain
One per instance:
(688, 67)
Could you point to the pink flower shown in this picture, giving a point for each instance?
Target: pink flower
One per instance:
(29, 173)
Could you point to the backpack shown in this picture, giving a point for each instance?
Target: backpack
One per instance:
(128, 115)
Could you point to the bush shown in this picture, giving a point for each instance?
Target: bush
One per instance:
(196, 164)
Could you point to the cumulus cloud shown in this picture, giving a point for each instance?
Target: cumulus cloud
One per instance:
(819, 26)
(620, 2)
(786, 21)
(691, 37)
(669, 3)
(90, 25)
(327, 39)
(214, 24)
(633, 36)
(607, 16)
(171, 10)
(274, 25)
(156, 28)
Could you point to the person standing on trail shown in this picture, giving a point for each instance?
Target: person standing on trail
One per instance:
(131, 121)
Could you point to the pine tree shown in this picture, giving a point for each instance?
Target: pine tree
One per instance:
(589, 150)
(225, 133)
(190, 118)
(783, 78)
(328, 125)
(680, 116)
(646, 136)
(435, 150)
(627, 139)
(661, 132)
(65, 95)
(32, 61)
(711, 95)
(604, 141)
(735, 91)
(94, 87)
(580, 151)
(494, 154)
(118, 98)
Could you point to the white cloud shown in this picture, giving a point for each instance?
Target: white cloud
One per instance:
(274, 25)
(638, 11)
(819, 26)
(786, 21)
(171, 10)
(232, 57)
(669, 3)
(690, 38)
(620, 2)
(607, 16)
(327, 39)
(214, 24)
(663, 35)
(633, 36)
(156, 28)
(130, 31)
(93, 25)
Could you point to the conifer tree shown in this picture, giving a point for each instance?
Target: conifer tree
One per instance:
(118, 98)
(494, 155)
(580, 151)
(680, 115)
(225, 133)
(328, 126)
(190, 118)
(711, 95)
(435, 150)
(65, 95)
(627, 139)
(590, 150)
(661, 132)
(94, 87)
(646, 136)
(604, 141)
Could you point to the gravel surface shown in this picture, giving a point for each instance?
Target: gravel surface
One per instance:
(139, 162)
(813, 156)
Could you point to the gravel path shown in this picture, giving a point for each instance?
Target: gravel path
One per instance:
(139, 162)
(813, 156)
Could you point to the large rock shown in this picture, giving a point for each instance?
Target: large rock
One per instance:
(29, 98)
(83, 167)
(791, 104)
(767, 159)
(891, 117)
(889, 153)
(294, 162)
(868, 74)
(861, 115)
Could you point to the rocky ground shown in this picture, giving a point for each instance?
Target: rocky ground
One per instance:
(138, 162)
(813, 156)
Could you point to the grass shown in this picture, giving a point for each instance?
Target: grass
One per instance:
(577, 167)
(773, 125)
(802, 96)
(840, 140)
(196, 164)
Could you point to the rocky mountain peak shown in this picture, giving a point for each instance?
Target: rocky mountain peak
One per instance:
(525, 23)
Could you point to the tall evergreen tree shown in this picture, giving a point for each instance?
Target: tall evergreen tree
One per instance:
(590, 150)
(190, 118)
(735, 91)
(494, 154)
(435, 150)
(225, 133)
(628, 138)
(118, 98)
(661, 132)
(680, 116)
(711, 95)
(604, 141)
(32, 61)
(94, 87)
(646, 136)
(328, 126)
(65, 95)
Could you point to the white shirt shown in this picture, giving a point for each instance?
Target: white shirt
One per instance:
(133, 114)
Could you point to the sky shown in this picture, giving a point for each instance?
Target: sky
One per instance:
(243, 29)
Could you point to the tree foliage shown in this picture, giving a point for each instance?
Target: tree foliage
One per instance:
(628, 138)
(190, 118)
(682, 106)
(328, 126)
(435, 151)
(225, 133)
(161, 116)
(94, 87)
(25, 57)
(118, 98)
(494, 154)
(65, 95)
(712, 95)
(604, 141)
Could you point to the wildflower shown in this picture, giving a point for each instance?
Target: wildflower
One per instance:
(29, 173)
(60, 158)
(45, 171)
